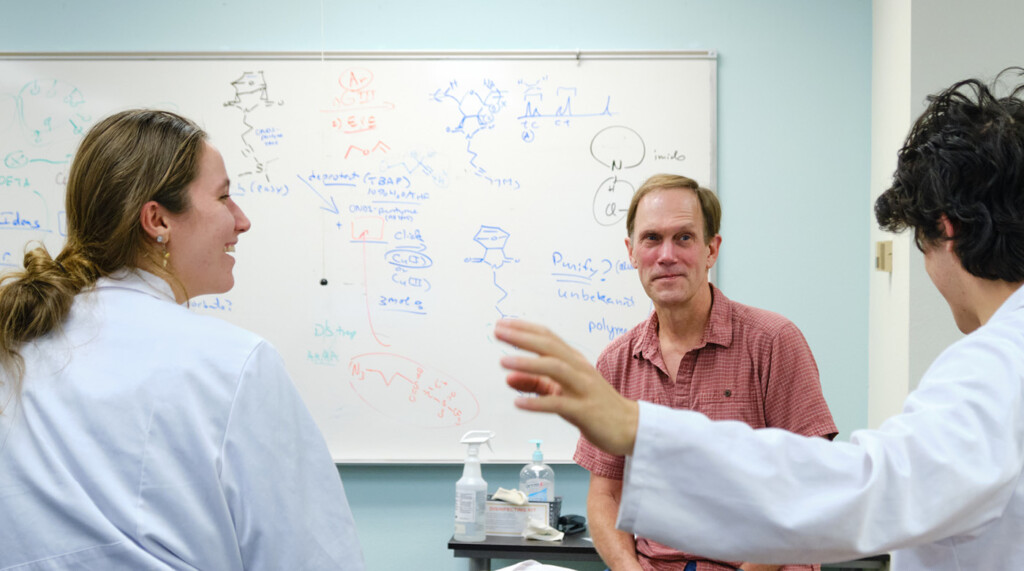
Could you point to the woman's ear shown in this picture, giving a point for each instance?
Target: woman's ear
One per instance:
(154, 220)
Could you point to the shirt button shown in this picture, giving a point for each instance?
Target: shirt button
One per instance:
(728, 393)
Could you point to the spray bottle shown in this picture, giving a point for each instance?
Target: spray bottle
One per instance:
(537, 479)
(471, 491)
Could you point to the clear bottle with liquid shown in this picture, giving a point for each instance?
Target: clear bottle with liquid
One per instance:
(471, 491)
(537, 479)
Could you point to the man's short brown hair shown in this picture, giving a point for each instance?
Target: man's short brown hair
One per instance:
(710, 208)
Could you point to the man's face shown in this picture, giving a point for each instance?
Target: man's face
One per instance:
(668, 247)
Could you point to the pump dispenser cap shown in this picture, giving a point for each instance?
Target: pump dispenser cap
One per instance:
(538, 456)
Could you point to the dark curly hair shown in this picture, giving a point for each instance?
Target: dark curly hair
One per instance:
(964, 158)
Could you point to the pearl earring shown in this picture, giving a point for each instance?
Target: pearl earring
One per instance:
(161, 240)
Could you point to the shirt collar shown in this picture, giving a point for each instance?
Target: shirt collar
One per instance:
(1015, 301)
(138, 280)
(718, 329)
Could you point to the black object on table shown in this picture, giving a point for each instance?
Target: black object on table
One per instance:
(579, 547)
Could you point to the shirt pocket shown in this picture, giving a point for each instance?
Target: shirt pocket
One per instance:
(732, 403)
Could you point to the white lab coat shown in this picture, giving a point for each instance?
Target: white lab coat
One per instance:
(938, 485)
(149, 437)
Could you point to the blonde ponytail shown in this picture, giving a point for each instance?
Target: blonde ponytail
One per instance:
(124, 161)
(36, 300)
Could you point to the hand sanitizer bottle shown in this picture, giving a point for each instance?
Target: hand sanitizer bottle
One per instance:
(537, 479)
(471, 491)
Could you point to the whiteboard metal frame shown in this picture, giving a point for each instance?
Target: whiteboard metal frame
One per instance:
(368, 55)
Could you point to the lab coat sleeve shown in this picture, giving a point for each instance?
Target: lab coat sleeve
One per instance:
(281, 485)
(946, 466)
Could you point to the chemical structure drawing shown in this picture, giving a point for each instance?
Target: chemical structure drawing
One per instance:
(494, 240)
(260, 134)
(357, 113)
(51, 110)
(616, 147)
(410, 392)
(426, 163)
(478, 112)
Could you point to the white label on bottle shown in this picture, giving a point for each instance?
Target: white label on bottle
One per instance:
(537, 490)
(468, 504)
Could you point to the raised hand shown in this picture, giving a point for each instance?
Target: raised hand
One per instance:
(568, 385)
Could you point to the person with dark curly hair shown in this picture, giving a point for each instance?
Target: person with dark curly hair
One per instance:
(940, 485)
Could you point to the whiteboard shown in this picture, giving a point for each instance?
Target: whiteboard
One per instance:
(400, 205)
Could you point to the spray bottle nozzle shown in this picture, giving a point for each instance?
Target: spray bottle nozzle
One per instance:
(477, 437)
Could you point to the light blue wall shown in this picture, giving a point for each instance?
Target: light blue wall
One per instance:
(794, 116)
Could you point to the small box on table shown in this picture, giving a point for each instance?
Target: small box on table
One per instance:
(504, 518)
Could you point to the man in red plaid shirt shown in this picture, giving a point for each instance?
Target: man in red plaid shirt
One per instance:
(699, 351)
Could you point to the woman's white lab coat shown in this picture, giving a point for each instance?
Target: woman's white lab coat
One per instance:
(149, 437)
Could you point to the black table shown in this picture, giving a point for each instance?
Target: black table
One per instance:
(579, 548)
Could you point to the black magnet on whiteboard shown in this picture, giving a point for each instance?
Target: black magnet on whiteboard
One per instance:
(323, 281)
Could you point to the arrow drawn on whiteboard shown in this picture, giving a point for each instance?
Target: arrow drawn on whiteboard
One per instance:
(611, 200)
(333, 206)
(361, 235)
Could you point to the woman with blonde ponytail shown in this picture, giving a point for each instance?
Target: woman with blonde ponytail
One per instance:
(135, 434)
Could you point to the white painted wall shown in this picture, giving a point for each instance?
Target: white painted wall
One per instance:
(952, 40)
(889, 294)
(920, 47)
